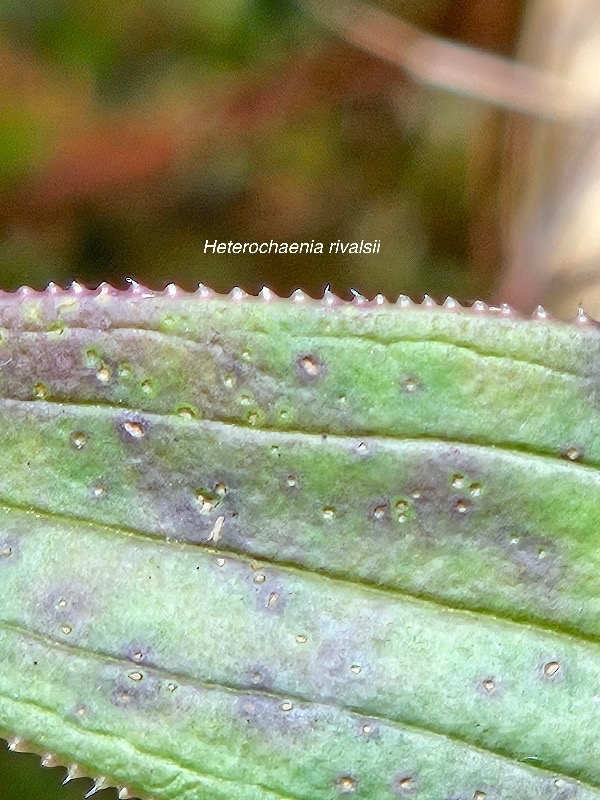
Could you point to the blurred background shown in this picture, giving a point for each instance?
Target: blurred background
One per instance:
(133, 131)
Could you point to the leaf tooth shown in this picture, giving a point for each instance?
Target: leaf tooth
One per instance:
(105, 290)
(53, 288)
(267, 295)
(583, 318)
(73, 771)
(357, 298)
(99, 784)
(24, 291)
(479, 307)
(77, 288)
(49, 760)
(18, 745)
(428, 302)
(541, 314)
(298, 296)
(503, 310)
(329, 298)
(380, 300)
(135, 288)
(125, 793)
(204, 291)
(172, 290)
(236, 295)
(451, 304)
(404, 301)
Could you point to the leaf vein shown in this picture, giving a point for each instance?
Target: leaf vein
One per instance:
(391, 592)
(359, 713)
(591, 468)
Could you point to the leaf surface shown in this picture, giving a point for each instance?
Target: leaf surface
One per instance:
(256, 549)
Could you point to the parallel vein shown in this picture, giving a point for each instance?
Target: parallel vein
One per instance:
(590, 468)
(358, 713)
(372, 338)
(394, 593)
(156, 757)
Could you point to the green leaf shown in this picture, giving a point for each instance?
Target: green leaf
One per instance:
(255, 549)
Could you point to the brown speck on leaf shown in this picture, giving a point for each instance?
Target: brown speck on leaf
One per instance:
(104, 374)
(132, 427)
(310, 367)
(137, 653)
(488, 686)
(573, 454)
(346, 784)
(461, 506)
(410, 385)
(78, 440)
(405, 785)
(551, 669)
(380, 510)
